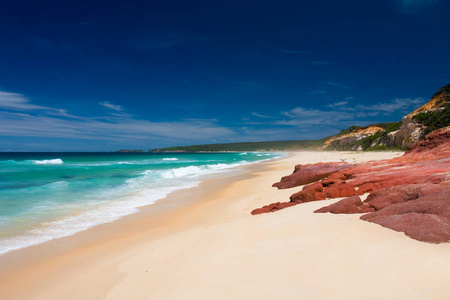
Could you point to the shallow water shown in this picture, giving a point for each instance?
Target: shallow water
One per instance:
(49, 195)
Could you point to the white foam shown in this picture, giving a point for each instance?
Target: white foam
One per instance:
(56, 161)
(58, 184)
(182, 172)
(108, 212)
(126, 199)
(170, 158)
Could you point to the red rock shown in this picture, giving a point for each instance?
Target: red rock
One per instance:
(432, 140)
(272, 207)
(305, 196)
(427, 221)
(314, 187)
(350, 205)
(398, 188)
(304, 174)
(392, 195)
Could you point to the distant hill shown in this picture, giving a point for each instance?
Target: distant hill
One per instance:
(250, 146)
(403, 134)
(129, 151)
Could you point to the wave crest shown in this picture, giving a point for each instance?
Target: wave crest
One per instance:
(56, 161)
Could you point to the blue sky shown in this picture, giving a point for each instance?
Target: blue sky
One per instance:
(106, 75)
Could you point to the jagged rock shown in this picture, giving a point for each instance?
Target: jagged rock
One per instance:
(272, 207)
(397, 188)
(427, 221)
(392, 195)
(409, 133)
(304, 174)
(350, 205)
(432, 140)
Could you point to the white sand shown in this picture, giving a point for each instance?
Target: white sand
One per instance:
(214, 249)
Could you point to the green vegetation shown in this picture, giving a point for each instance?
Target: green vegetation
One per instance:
(250, 146)
(443, 90)
(380, 138)
(129, 151)
(351, 129)
(433, 119)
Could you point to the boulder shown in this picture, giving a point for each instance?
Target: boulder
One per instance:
(304, 174)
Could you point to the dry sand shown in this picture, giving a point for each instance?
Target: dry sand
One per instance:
(212, 248)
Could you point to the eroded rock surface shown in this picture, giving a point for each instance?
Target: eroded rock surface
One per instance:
(304, 174)
(410, 193)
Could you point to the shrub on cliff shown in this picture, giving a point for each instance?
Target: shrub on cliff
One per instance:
(433, 119)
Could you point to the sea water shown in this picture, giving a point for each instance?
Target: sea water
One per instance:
(44, 196)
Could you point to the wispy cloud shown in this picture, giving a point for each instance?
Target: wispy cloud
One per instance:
(111, 106)
(343, 113)
(396, 105)
(338, 104)
(13, 101)
(412, 7)
(21, 118)
(301, 116)
(318, 92)
(261, 116)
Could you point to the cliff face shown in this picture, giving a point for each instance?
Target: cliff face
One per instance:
(412, 130)
(409, 133)
(347, 141)
(432, 115)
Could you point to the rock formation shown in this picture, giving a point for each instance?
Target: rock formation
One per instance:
(392, 135)
(409, 133)
(346, 140)
(410, 193)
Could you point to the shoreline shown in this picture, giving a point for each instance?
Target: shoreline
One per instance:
(70, 224)
(210, 247)
(156, 217)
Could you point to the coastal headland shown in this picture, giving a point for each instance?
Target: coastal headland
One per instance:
(203, 243)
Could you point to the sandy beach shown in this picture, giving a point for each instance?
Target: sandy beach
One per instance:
(211, 247)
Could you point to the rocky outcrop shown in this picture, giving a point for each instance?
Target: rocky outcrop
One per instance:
(409, 133)
(410, 193)
(432, 141)
(430, 116)
(347, 140)
(411, 130)
(304, 174)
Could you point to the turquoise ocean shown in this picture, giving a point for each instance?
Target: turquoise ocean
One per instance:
(44, 196)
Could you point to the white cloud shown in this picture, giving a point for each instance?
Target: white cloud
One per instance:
(261, 116)
(39, 121)
(318, 92)
(111, 106)
(15, 101)
(396, 105)
(303, 116)
(338, 104)
(21, 124)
